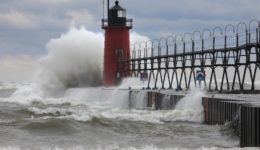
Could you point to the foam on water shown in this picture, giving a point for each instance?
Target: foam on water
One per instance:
(133, 83)
(190, 107)
(88, 103)
(117, 147)
(11, 85)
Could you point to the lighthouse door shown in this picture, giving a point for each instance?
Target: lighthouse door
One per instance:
(119, 65)
(119, 54)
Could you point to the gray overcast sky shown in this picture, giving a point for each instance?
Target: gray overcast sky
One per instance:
(27, 25)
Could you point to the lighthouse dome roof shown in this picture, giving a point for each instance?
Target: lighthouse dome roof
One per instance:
(117, 6)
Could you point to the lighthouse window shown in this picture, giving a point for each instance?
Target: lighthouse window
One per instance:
(121, 14)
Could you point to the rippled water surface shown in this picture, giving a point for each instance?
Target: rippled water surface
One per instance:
(94, 118)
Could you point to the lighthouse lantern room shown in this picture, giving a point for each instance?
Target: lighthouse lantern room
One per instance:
(117, 44)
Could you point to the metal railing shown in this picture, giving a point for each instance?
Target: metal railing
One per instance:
(230, 55)
(128, 23)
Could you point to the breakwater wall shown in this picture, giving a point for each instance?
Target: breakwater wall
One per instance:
(154, 100)
(240, 114)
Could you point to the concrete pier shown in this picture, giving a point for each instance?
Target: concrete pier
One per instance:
(241, 113)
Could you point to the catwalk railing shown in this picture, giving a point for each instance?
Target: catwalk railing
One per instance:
(229, 59)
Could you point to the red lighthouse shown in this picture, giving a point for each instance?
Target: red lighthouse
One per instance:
(117, 44)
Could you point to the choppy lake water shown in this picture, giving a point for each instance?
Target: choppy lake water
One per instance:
(96, 118)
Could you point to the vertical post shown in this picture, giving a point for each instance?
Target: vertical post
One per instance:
(167, 49)
(257, 127)
(152, 51)
(202, 47)
(257, 41)
(193, 49)
(237, 42)
(159, 50)
(175, 48)
(145, 60)
(257, 36)
(214, 43)
(193, 46)
(258, 28)
(225, 42)
(184, 48)
(202, 44)
(249, 37)
(108, 8)
(258, 32)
